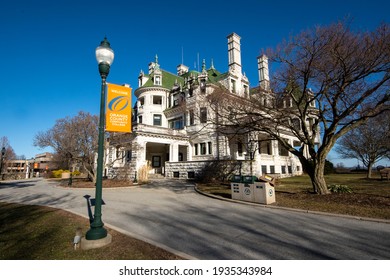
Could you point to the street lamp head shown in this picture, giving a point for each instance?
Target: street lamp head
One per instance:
(104, 57)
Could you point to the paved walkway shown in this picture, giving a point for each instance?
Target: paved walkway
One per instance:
(173, 215)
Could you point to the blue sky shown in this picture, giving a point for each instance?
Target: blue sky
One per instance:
(49, 70)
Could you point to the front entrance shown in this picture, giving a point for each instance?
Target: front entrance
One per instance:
(156, 157)
(156, 164)
(158, 153)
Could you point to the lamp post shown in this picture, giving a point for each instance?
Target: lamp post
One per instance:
(32, 167)
(104, 57)
(1, 162)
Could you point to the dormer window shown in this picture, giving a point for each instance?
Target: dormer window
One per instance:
(157, 80)
(233, 86)
(203, 86)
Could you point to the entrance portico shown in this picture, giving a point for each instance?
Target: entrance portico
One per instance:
(157, 153)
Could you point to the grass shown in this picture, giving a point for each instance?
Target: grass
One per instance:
(42, 233)
(369, 198)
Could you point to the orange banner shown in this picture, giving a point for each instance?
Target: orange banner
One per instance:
(118, 108)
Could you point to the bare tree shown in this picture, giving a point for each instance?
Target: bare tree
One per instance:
(9, 153)
(330, 80)
(369, 142)
(73, 139)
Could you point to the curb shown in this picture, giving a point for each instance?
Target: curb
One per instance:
(293, 209)
(141, 238)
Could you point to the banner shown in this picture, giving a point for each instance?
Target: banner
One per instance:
(118, 108)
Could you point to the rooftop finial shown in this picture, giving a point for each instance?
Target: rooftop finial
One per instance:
(157, 66)
(203, 65)
(212, 64)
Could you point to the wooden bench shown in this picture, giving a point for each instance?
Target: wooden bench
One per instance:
(385, 173)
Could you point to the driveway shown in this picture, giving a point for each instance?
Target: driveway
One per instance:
(172, 215)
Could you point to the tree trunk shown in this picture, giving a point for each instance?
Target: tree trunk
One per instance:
(369, 167)
(316, 174)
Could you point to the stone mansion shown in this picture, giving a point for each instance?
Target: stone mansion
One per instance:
(178, 141)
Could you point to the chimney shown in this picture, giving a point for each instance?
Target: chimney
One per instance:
(234, 53)
(262, 64)
(182, 69)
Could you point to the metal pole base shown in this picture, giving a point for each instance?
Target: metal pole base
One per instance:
(95, 233)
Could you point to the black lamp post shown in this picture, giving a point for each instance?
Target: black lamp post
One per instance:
(104, 57)
(1, 162)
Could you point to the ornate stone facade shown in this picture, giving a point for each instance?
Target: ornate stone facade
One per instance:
(172, 132)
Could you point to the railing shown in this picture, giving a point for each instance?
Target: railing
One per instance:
(159, 130)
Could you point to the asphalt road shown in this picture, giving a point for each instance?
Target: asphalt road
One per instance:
(172, 215)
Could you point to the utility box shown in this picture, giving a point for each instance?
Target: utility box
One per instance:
(263, 193)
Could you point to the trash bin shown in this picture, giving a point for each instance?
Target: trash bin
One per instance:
(247, 192)
(237, 190)
(263, 193)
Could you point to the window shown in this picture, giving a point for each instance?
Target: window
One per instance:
(141, 101)
(192, 117)
(176, 123)
(282, 150)
(157, 100)
(265, 147)
(202, 148)
(139, 119)
(156, 161)
(157, 120)
(283, 169)
(209, 146)
(203, 86)
(264, 169)
(128, 156)
(239, 148)
(157, 80)
(203, 115)
(272, 169)
(233, 86)
(196, 149)
(296, 124)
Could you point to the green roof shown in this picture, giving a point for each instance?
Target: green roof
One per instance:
(169, 79)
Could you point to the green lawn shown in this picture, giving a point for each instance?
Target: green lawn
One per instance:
(369, 198)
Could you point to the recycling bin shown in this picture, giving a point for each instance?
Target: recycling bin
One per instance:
(263, 193)
(237, 190)
(247, 192)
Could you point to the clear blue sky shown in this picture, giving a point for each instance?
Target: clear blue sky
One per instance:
(47, 48)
